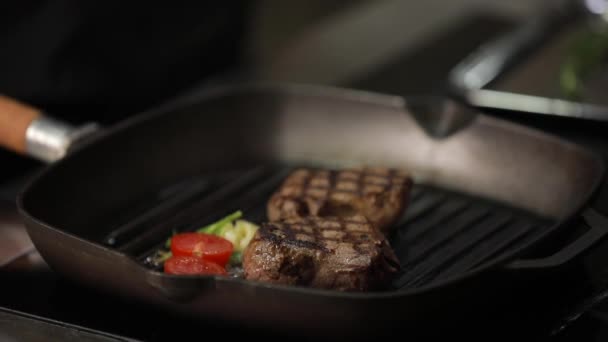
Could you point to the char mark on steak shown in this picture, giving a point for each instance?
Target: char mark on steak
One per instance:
(346, 254)
(379, 194)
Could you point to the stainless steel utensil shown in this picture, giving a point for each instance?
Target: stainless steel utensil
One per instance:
(467, 80)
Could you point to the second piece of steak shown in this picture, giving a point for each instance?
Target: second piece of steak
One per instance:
(329, 253)
(379, 194)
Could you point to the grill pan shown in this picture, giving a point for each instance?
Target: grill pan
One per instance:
(485, 198)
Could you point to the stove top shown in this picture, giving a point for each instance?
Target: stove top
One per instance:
(34, 298)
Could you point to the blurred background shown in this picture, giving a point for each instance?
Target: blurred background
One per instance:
(104, 62)
(341, 41)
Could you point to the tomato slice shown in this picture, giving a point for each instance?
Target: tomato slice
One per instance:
(210, 247)
(192, 265)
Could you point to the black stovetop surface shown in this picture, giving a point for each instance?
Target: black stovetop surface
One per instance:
(57, 305)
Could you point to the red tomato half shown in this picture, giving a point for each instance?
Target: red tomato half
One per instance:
(192, 265)
(210, 247)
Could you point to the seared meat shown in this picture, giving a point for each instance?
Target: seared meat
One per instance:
(330, 253)
(381, 195)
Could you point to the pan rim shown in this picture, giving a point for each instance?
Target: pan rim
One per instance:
(396, 102)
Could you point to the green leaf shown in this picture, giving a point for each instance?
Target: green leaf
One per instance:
(162, 256)
(168, 243)
(236, 258)
(214, 228)
(587, 53)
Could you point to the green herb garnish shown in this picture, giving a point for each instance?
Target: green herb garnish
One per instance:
(221, 228)
(216, 227)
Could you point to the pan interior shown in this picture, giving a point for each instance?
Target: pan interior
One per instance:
(442, 234)
(152, 174)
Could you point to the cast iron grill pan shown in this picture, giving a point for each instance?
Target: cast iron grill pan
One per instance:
(443, 233)
(97, 215)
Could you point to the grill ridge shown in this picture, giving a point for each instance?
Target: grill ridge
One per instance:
(440, 251)
(442, 234)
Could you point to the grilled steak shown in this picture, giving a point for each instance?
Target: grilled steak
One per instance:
(381, 195)
(329, 253)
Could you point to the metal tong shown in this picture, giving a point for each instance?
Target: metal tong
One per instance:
(441, 116)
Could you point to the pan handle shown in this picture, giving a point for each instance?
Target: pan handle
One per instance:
(598, 229)
(28, 131)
